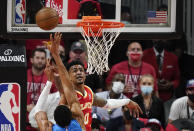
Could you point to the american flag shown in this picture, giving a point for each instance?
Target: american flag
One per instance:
(156, 17)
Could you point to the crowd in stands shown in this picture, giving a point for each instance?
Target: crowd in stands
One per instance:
(157, 75)
(150, 77)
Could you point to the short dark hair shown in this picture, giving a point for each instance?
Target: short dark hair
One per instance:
(76, 62)
(38, 50)
(134, 41)
(62, 116)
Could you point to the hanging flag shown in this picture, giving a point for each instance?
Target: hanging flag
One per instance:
(156, 17)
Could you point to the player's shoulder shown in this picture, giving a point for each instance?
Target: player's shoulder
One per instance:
(74, 126)
(88, 88)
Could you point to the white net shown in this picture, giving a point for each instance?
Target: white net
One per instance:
(98, 47)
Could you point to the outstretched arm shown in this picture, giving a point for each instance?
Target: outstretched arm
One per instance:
(68, 89)
(115, 103)
(40, 108)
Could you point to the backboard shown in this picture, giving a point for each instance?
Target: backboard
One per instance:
(147, 16)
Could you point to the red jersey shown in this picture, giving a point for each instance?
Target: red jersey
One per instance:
(86, 102)
(132, 75)
(35, 85)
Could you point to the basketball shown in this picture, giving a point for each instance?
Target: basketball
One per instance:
(47, 18)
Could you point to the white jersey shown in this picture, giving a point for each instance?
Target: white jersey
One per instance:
(103, 113)
(49, 106)
(178, 109)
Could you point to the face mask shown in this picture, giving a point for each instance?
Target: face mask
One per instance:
(146, 89)
(191, 97)
(118, 87)
(135, 56)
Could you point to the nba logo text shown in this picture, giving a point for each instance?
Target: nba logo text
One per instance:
(9, 107)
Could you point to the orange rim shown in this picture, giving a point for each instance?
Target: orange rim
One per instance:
(95, 23)
(100, 24)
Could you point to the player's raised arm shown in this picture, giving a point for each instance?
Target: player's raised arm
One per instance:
(68, 89)
(115, 103)
(53, 47)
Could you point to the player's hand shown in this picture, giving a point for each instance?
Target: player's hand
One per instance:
(53, 45)
(49, 71)
(134, 109)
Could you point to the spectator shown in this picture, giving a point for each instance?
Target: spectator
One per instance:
(181, 125)
(133, 69)
(138, 124)
(32, 44)
(183, 107)
(78, 52)
(62, 55)
(151, 106)
(154, 125)
(166, 66)
(126, 17)
(114, 93)
(89, 8)
(36, 79)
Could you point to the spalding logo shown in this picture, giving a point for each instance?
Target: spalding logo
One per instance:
(8, 52)
(8, 57)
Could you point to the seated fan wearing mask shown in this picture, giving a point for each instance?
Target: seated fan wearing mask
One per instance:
(115, 92)
(151, 106)
(133, 69)
(183, 107)
(166, 66)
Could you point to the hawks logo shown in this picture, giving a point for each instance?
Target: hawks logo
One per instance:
(9, 107)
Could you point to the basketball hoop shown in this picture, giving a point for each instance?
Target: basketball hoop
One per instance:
(99, 37)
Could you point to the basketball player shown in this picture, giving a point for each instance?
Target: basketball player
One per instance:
(5, 105)
(74, 79)
(63, 117)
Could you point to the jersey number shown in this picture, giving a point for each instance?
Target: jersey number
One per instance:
(86, 118)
